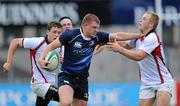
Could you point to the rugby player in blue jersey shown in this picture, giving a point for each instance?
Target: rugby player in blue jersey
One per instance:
(67, 24)
(79, 46)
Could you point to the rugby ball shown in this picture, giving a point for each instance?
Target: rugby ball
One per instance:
(53, 60)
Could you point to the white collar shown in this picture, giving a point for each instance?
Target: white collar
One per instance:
(84, 37)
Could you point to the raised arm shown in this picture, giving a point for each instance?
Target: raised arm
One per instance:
(12, 49)
(120, 36)
(55, 44)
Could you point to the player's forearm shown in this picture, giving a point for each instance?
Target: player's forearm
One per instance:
(12, 49)
(125, 36)
(55, 44)
(133, 55)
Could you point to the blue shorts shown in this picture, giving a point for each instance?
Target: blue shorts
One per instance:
(79, 84)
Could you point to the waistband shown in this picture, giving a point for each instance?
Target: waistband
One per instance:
(81, 75)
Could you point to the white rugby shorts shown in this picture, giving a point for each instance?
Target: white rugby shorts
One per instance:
(40, 89)
(149, 91)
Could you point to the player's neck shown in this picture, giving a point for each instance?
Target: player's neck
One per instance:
(145, 32)
(46, 39)
(85, 33)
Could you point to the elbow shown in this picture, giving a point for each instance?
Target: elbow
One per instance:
(138, 58)
(16, 42)
(13, 41)
(140, 55)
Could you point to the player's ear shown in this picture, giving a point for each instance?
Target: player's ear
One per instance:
(151, 24)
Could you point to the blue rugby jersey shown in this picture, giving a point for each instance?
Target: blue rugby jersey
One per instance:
(79, 49)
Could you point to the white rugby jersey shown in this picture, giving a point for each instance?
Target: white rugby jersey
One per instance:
(36, 46)
(153, 69)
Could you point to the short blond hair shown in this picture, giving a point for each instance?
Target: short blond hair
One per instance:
(89, 18)
(154, 18)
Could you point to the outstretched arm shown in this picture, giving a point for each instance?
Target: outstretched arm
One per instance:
(120, 36)
(55, 44)
(131, 54)
(12, 49)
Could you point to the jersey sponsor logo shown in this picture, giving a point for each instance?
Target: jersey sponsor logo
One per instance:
(91, 43)
(84, 51)
(78, 44)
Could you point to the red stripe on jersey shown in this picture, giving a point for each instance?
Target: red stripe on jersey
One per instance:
(32, 54)
(40, 45)
(161, 57)
(157, 53)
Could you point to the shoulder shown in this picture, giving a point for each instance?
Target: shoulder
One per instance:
(74, 32)
(33, 41)
(151, 37)
(38, 39)
(70, 34)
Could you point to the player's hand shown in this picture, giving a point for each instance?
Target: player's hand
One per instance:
(122, 43)
(114, 46)
(6, 67)
(43, 63)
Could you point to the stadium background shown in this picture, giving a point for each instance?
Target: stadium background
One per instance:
(113, 78)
